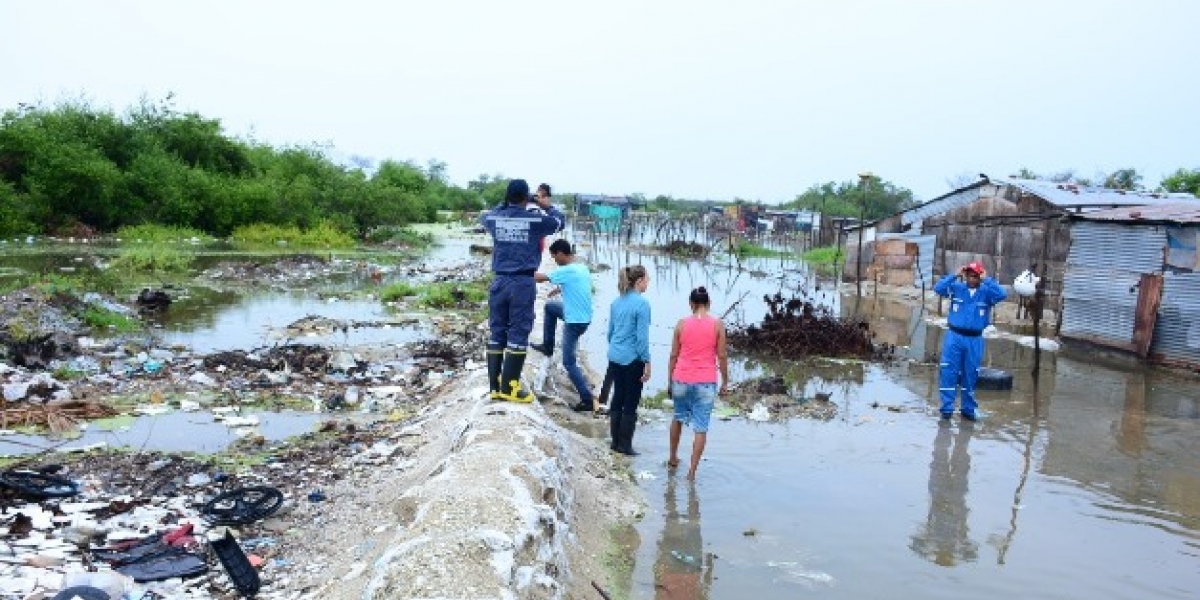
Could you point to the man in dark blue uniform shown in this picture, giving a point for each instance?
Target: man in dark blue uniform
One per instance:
(972, 295)
(516, 254)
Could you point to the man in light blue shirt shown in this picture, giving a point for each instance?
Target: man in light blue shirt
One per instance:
(574, 282)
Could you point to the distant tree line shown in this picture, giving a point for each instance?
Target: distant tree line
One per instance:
(72, 164)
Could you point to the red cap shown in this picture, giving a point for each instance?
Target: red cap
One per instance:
(974, 266)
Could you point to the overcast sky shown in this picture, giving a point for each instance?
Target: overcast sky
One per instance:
(750, 99)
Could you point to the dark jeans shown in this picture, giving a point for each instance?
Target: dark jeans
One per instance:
(570, 346)
(510, 311)
(627, 387)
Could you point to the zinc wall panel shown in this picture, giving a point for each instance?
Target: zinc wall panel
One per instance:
(1104, 268)
(1177, 331)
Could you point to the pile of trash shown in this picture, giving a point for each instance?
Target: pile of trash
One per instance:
(772, 398)
(796, 327)
(153, 525)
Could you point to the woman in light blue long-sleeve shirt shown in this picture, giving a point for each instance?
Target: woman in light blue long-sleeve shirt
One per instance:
(628, 355)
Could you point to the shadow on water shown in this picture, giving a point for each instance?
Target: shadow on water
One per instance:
(1081, 481)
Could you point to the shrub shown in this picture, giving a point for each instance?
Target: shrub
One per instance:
(262, 235)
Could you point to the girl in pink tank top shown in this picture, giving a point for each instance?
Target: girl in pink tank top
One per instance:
(697, 352)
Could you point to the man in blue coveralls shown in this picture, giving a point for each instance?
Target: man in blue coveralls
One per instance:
(516, 254)
(972, 295)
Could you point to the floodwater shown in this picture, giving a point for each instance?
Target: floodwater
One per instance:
(1081, 482)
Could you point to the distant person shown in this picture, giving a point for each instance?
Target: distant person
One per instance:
(972, 295)
(516, 236)
(628, 355)
(543, 195)
(697, 350)
(574, 281)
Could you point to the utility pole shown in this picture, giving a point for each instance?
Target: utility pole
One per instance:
(864, 181)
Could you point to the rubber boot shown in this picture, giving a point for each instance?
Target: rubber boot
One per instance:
(614, 429)
(625, 432)
(495, 361)
(510, 379)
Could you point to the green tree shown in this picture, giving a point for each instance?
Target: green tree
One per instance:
(1182, 180)
(879, 199)
(1123, 179)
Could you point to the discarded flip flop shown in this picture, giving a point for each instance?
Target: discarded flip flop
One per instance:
(167, 565)
(240, 571)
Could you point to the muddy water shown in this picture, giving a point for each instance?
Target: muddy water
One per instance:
(1082, 483)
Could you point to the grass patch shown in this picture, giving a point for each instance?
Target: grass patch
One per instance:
(451, 295)
(398, 291)
(100, 318)
(158, 234)
(323, 235)
(825, 257)
(441, 295)
(66, 373)
(400, 236)
(154, 257)
(156, 248)
(745, 248)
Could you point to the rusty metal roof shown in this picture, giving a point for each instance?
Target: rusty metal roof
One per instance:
(1185, 212)
(1070, 195)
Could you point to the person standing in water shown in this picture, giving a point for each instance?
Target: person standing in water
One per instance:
(697, 352)
(972, 295)
(628, 355)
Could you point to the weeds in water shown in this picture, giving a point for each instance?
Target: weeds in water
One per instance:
(323, 235)
(824, 258)
(155, 257)
(745, 248)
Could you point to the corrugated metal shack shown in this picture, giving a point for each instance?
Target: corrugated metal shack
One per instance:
(1133, 281)
(1007, 224)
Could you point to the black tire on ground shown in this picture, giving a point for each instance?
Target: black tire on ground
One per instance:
(993, 379)
(243, 505)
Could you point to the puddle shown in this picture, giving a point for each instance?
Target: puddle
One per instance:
(172, 432)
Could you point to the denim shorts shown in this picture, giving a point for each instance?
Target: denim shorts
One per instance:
(694, 403)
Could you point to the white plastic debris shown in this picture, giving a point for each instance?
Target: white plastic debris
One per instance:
(1025, 284)
(759, 413)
